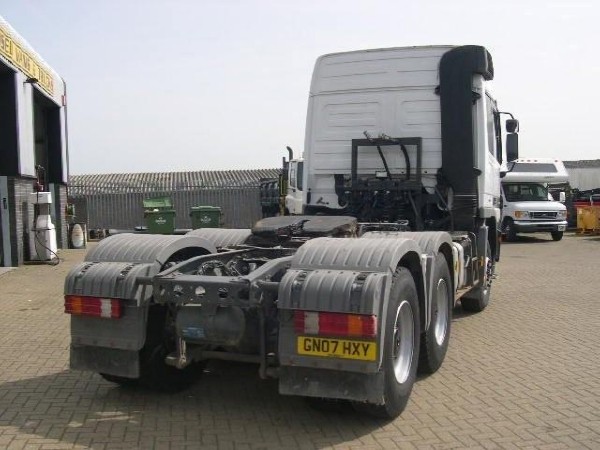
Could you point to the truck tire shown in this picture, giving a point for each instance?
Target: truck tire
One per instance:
(556, 235)
(327, 404)
(478, 299)
(508, 230)
(155, 374)
(434, 341)
(121, 381)
(400, 347)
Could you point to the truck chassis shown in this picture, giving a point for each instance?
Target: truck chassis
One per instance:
(331, 310)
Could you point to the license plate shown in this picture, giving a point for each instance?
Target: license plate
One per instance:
(337, 348)
(561, 227)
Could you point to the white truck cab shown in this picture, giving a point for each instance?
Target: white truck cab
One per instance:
(294, 195)
(527, 206)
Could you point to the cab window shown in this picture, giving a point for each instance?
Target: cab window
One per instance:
(292, 180)
(494, 128)
(300, 174)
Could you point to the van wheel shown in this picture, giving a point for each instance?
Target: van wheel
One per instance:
(400, 347)
(509, 231)
(434, 341)
(557, 235)
(478, 299)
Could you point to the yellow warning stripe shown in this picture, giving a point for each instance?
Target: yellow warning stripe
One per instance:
(25, 62)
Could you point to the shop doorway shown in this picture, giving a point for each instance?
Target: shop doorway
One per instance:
(47, 135)
(8, 156)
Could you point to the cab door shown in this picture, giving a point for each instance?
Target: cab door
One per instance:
(293, 199)
(488, 150)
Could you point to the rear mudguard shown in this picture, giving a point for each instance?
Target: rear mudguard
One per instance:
(338, 275)
(431, 243)
(223, 237)
(154, 249)
(112, 270)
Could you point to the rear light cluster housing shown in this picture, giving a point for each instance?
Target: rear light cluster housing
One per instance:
(335, 324)
(107, 308)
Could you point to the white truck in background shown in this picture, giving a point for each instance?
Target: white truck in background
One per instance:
(283, 196)
(527, 205)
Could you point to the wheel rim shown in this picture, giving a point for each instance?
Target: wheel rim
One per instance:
(488, 276)
(403, 341)
(441, 313)
(489, 273)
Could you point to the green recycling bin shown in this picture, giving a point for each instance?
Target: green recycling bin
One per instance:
(205, 217)
(160, 221)
(160, 203)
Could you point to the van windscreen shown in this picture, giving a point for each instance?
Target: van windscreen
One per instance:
(534, 167)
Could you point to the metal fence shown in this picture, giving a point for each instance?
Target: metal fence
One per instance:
(240, 207)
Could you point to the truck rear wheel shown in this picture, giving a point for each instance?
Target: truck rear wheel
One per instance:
(400, 347)
(434, 341)
(121, 381)
(155, 374)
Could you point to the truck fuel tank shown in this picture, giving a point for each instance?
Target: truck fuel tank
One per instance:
(220, 325)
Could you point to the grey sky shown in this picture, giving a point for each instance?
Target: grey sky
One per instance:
(194, 85)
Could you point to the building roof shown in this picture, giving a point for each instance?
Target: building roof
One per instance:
(583, 164)
(115, 183)
(21, 56)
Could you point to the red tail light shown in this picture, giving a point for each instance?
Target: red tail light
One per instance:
(335, 324)
(108, 308)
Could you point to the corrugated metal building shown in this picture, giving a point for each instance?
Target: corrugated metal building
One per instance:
(584, 174)
(115, 201)
(108, 201)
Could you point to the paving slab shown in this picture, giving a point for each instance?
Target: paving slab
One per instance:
(522, 374)
(4, 270)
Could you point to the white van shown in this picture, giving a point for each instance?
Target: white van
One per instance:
(527, 205)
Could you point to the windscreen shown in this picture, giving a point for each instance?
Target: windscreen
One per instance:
(525, 192)
(534, 167)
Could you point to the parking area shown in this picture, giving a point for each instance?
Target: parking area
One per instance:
(525, 373)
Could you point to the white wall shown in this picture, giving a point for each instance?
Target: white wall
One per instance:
(584, 178)
(25, 126)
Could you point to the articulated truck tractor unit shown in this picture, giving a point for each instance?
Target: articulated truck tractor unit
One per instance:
(398, 198)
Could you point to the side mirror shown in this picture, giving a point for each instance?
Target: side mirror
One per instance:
(562, 197)
(512, 125)
(512, 147)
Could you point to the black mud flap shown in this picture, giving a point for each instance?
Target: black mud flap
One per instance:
(123, 363)
(334, 384)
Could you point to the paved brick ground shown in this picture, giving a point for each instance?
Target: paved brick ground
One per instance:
(523, 374)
